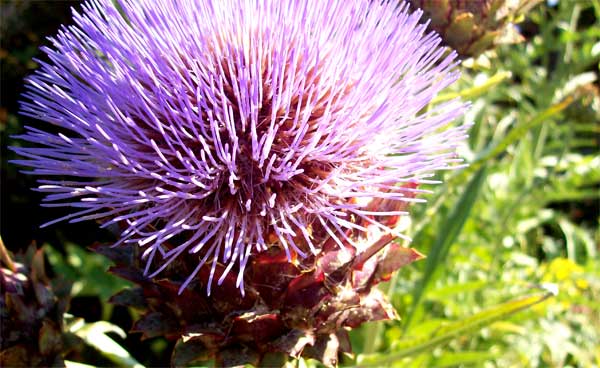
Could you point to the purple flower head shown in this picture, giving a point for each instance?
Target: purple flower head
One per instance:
(217, 129)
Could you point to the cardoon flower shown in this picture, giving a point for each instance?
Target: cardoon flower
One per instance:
(271, 145)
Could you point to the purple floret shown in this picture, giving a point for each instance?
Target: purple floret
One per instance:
(216, 129)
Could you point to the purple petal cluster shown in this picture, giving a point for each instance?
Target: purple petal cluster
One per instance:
(217, 129)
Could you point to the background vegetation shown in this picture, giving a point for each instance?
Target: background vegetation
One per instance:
(520, 223)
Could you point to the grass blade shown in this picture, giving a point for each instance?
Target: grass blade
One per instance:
(447, 234)
(416, 345)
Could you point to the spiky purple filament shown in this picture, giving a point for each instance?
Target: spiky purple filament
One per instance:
(232, 126)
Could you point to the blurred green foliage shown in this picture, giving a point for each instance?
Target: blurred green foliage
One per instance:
(521, 219)
(87, 272)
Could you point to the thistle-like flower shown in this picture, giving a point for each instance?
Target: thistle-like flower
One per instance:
(266, 146)
(214, 130)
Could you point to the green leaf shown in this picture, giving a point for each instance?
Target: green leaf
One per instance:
(87, 270)
(94, 334)
(415, 345)
(447, 234)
